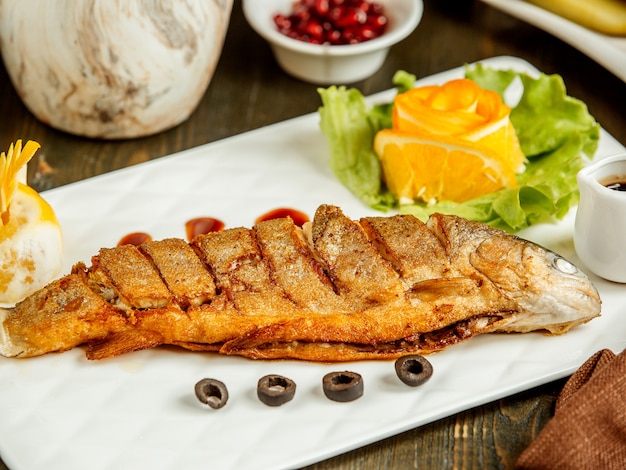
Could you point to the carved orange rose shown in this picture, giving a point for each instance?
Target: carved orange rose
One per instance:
(450, 142)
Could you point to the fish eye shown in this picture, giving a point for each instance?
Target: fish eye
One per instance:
(561, 264)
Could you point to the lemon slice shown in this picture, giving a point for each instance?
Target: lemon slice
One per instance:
(31, 249)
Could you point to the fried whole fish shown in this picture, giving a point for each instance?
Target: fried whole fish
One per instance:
(335, 290)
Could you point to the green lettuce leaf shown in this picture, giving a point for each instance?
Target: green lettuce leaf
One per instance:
(556, 132)
(350, 127)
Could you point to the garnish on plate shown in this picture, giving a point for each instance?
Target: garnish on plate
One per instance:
(30, 235)
(556, 134)
(449, 142)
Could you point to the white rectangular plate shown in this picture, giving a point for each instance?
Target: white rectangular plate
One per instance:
(139, 411)
(608, 51)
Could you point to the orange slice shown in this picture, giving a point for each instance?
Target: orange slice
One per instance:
(499, 137)
(440, 168)
(30, 234)
(449, 142)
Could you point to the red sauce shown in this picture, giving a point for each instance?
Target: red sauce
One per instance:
(299, 218)
(135, 238)
(201, 226)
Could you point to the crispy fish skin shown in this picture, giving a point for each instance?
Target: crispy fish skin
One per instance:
(58, 318)
(182, 271)
(335, 290)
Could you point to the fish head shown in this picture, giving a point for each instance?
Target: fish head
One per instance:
(552, 293)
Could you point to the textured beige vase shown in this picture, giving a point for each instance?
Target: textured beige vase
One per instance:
(112, 68)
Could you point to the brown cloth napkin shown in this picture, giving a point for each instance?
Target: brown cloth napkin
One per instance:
(588, 429)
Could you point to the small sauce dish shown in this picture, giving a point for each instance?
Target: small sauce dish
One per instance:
(600, 226)
(326, 64)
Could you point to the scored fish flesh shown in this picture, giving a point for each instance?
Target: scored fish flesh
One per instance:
(334, 290)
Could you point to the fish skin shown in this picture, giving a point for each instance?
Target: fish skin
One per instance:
(336, 290)
(555, 291)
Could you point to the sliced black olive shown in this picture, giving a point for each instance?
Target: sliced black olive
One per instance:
(275, 390)
(212, 392)
(413, 370)
(343, 386)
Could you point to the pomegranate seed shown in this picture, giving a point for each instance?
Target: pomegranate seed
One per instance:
(376, 8)
(351, 17)
(349, 36)
(377, 22)
(322, 7)
(364, 6)
(282, 22)
(366, 33)
(314, 30)
(333, 21)
(334, 37)
(301, 13)
(335, 13)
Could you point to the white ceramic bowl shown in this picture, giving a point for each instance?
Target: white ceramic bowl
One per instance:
(326, 64)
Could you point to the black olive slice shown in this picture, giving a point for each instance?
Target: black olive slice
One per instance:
(413, 370)
(343, 386)
(275, 390)
(212, 392)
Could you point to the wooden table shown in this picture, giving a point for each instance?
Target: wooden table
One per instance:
(249, 91)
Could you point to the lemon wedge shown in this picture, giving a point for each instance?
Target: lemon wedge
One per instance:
(31, 249)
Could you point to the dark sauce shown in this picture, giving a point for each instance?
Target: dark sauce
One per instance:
(617, 186)
(202, 226)
(135, 238)
(299, 218)
(614, 182)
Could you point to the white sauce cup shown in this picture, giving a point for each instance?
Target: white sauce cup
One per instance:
(600, 227)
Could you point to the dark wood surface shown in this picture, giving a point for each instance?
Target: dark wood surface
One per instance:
(249, 90)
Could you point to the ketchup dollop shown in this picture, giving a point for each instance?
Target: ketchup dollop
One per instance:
(299, 218)
(202, 226)
(135, 238)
